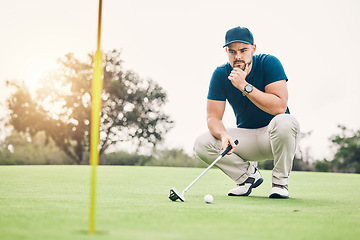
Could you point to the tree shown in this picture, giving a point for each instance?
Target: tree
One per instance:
(323, 166)
(20, 148)
(347, 157)
(61, 107)
(175, 157)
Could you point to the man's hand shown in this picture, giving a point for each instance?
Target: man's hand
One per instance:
(237, 77)
(226, 141)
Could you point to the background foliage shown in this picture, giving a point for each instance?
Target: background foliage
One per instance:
(61, 108)
(52, 126)
(19, 148)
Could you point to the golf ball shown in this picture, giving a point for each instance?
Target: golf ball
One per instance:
(208, 198)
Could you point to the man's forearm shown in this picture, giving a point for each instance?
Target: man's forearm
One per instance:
(216, 128)
(273, 100)
(267, 102)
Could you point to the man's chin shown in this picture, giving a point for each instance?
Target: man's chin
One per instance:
(241, 66)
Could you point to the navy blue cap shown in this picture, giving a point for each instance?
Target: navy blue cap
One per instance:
(239, 34)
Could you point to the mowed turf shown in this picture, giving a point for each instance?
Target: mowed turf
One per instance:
(52, 202)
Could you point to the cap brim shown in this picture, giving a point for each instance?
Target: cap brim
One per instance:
(242, 41)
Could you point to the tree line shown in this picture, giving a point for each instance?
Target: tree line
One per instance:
(21, 149)
(52, 125)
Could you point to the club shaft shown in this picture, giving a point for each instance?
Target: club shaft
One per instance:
(210, 166)
(207, 169)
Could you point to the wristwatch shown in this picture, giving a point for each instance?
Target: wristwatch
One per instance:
(248, 89)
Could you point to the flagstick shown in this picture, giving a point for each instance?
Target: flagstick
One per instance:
(97, 85)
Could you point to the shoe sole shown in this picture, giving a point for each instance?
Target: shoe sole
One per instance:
(245, 194)
(279, 196)
(255, 185)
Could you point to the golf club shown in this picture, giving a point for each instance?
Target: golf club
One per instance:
(175, 195)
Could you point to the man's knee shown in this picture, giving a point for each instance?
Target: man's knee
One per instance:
(200, 146)
(204, 145)
(284, 126)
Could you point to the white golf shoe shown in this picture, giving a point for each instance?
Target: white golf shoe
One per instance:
(245, 188)
(279, 191)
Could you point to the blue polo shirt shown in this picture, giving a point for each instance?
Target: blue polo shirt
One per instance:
(266, 69)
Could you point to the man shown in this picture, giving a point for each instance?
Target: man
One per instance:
(256, 88)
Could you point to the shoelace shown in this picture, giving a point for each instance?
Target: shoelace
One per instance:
(248, 180)
(280, 186)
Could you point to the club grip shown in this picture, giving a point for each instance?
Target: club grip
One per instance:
(229, 148)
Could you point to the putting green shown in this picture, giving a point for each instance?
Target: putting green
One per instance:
(52, 202)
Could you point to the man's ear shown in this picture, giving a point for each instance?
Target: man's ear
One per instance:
(254, 48)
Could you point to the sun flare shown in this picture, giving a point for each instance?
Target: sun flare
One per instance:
(37, 68)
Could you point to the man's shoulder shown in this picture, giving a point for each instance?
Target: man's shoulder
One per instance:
(266, 59)
(223, 67)
(223, 70)
(270, 67)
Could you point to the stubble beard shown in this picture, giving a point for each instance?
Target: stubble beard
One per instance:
(242, 65)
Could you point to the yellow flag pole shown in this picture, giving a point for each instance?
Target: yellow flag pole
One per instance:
(97, 86)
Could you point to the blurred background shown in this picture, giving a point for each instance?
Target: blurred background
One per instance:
(175, 45)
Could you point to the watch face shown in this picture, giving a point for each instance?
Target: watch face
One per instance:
(248, 88)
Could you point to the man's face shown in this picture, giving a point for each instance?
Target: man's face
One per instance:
(240, 54)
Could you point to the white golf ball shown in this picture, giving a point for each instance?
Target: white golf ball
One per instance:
(208, 198)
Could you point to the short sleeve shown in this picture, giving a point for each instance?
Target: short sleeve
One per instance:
(216, 88)
(273, 70)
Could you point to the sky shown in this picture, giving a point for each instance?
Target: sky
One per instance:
(179, 44)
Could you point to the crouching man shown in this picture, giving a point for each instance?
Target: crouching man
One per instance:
(256, 88)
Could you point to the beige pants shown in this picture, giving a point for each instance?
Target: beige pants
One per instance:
(276, 141)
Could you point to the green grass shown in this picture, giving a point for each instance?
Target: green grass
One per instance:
(52, 202)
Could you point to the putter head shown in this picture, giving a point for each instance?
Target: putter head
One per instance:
(175, 195)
